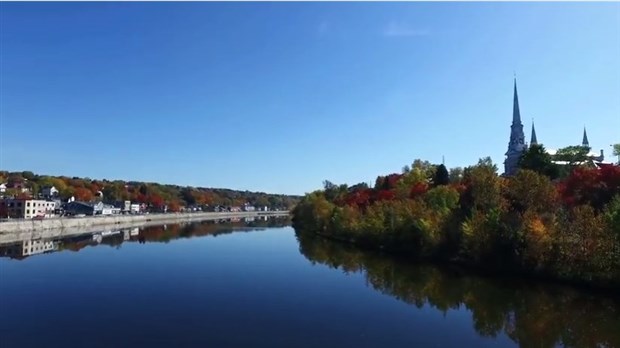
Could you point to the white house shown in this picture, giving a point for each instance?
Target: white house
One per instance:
(27, 208)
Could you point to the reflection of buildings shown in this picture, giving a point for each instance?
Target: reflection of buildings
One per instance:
(32, 247)
(155, 233)
(127, 234)
(28, 248)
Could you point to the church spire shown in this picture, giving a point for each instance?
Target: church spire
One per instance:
(516, 144)
(533, 140)
(585, 141)
(516, 114)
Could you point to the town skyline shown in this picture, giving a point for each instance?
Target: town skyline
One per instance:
(284, 110)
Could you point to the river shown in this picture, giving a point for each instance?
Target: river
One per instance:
(259, 284)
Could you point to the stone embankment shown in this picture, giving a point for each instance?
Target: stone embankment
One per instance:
(21, 226)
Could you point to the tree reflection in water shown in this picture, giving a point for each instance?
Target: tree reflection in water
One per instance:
(531, 314)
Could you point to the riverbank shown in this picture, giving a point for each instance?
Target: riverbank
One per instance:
(25, 226)
(460, 265)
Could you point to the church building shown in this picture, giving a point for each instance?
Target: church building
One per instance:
(517, 144)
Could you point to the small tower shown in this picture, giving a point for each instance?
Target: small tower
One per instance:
(585, 141)
(516, 145)
(533, 140)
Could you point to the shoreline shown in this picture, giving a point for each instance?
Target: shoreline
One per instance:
(481, 270)
(63, 223)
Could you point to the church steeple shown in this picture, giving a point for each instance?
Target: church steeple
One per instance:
(516, 145)
(585, 142)
(516, 114)
(533, 140)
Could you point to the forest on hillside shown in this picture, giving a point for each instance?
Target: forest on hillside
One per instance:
(27, 184)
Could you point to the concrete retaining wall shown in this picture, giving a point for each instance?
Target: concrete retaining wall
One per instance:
(70, 231)
(19, 226)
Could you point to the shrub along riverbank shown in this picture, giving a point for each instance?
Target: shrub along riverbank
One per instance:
(567, 229)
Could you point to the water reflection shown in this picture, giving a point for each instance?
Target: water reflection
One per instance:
(159, 233)
(532, 315)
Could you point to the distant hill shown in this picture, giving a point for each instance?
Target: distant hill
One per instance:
(28, 184)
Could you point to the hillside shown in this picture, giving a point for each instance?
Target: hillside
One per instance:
(28, 184)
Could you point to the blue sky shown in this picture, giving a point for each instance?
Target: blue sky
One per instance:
(277, 97)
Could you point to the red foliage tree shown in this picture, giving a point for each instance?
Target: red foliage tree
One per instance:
(385, 195)
(155, 200)
(139, 197)
(83, 194)
(94, 187)
(361, 198)
(595, 187)
(391, 181)
(418, 190)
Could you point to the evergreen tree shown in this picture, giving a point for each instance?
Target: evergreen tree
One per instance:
(442, 177)
(536, 159)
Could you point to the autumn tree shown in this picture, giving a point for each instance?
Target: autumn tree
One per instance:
(83, 194)
(589, 186)
(529, 190)
(483, 186)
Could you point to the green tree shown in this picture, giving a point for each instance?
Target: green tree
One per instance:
(537, 159)
(28, 175)
(574, 155)
(333, 191)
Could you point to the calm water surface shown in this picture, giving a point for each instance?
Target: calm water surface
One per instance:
(233, 285)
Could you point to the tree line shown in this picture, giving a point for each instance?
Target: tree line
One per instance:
(154, 195)
(554, 221)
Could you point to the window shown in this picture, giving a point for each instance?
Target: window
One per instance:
(27, 211)
(28, 204)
